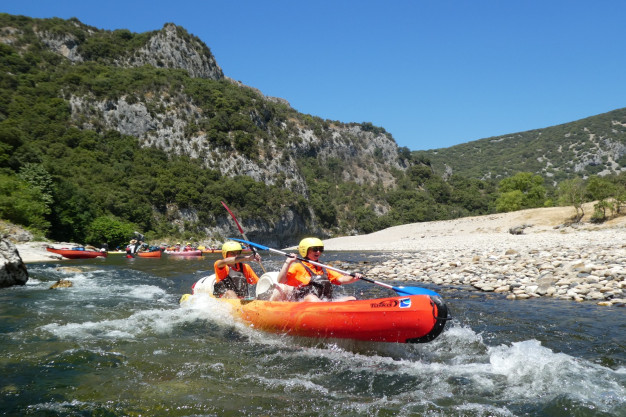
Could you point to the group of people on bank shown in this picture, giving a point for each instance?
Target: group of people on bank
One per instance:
(309, 282)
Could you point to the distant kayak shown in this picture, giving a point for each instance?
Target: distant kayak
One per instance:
(403, 319)
(151, 254)
(211, 251)
(77, 253)
(184, 253)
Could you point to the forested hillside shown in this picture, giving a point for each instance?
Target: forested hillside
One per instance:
(106, 132)
(591, 146)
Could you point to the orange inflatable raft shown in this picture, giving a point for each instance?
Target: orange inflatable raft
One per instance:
(403, 319)
(151, 254)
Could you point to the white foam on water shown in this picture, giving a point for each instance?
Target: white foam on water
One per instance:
(61, 407)
(203, 306)
(154, 321)
(141, 323)
(483, 410)
(459, 360)
(460, 363)
(300, 384)
(145, 292)
(98, 285)
(532, 370)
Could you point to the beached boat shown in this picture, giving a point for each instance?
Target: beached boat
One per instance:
(77, 253)
(151, 254)
(402, 319)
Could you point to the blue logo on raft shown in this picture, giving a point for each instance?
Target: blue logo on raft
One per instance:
(405, 303)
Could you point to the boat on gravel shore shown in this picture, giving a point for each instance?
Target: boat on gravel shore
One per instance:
(77, 253)
(403, 319)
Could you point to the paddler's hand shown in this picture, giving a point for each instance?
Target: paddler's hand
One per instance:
(290, 258)
(254, 257)
(282, 274)
(350, 278)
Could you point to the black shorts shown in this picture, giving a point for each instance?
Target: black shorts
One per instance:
(221, 287)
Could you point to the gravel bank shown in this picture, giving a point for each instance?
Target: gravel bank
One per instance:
(583, 263)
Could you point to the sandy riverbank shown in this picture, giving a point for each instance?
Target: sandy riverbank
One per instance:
(582, 262)
(36, 252)
(543, 229)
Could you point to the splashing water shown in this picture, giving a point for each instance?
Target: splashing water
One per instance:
(117, 343)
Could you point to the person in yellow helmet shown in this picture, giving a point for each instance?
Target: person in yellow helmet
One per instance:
(312, 282)
(232, 276)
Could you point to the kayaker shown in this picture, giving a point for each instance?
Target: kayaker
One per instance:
(132, 247)
(232, 276)
(311, 282)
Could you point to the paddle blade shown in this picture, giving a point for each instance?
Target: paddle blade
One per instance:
(414, 291)
(401, 290)
(234, 218)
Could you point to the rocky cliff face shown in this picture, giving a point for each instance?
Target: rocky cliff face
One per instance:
(161, 120)
(169, 119)
(170, 47)
(173, 47)
(367, 156)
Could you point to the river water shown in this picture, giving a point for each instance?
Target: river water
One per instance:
(117, 343)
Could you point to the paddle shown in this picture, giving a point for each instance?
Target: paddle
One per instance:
(242, 233)
(399, 290)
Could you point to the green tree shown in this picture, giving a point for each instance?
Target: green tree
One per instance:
(525, 185)
(599, 188)
(22, 203)
(37, 176)
(419, 173)
(510, 201)
(109, 230)
(572, 192)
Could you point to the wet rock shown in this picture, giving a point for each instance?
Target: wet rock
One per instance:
(62, 283)
(12, 270)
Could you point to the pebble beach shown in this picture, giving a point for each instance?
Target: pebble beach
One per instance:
(581, 262)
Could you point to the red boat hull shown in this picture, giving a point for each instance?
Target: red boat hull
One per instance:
(77, 254)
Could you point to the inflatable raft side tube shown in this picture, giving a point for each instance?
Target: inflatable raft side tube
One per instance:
(441, 316)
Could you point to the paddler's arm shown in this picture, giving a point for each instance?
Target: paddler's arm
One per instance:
(282, 274)
(232, 260)
(348, 279)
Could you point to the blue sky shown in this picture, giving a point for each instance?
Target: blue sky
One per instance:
(433, 73)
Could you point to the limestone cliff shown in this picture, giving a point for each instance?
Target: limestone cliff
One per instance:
(257, 136)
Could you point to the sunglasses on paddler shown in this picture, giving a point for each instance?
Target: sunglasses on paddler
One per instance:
(317, 248)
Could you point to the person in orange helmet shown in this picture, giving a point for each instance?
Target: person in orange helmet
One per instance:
(312, 283)
(232, 276)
